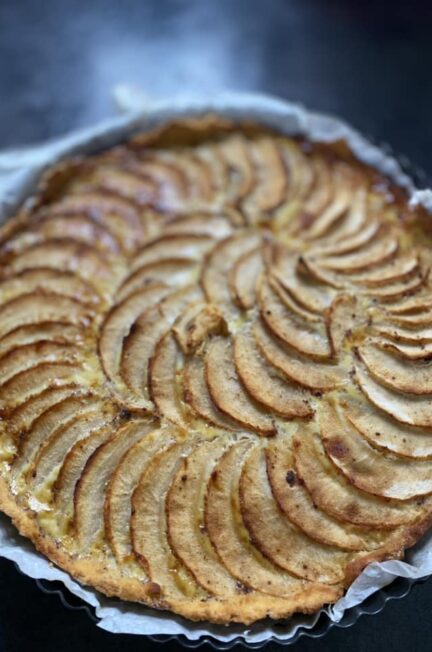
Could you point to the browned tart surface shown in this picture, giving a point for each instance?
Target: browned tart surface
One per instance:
(215, 377)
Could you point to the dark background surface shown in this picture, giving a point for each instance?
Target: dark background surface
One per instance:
(369, 62)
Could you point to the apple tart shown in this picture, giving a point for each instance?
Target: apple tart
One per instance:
(215, 371)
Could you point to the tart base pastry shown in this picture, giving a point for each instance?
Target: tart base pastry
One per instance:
(215, 371)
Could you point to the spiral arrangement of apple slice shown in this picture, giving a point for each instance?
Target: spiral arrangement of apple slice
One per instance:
(215, 371)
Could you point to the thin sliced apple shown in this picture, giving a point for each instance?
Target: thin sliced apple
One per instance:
(342, 319)
(368, 469)
(411, 305)
(225, 528)
(54, 332)
(71, 470)
(138, 348)
(348, 244)
(295, 501)
(311, 296)
(396, 373)
(123, 184)
(38, 308)
(334, 211)
(30, 355)
(222, 258)
(91, 488)
(298, 554)
(271, 179)
(174, 304)
(185, 517)
(54, 450)
(289, 328)
(421, 318)
(413, 410)
(120, 216)
(76, 227)
(197, 397)
(386, 433)
(398, 270)
(214, 226)
(46, 424)
(336, 496)
(118, 506)
(163, 381)
(227, 392)
(310, 265)
(211, 156)
(189, 246)
(319, 190)
(263, 383)
(28, 384)
(296, 308)
(243, 277)
(376, 253)
(170, 182)
(408, 351)
(50, 281)
(241, 172)
(66, 256)
(303, 371)
(149, 527)
(308, 178)
(119, 321)
(405, 334)
(399, 289)
(22, 418)
(198, 176)
(355, 219)
(174, 272)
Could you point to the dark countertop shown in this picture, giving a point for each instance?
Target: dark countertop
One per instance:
(367, 61)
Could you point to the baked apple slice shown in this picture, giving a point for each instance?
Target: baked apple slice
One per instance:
(197, 397)
(163, 380)
(175, 272)
(288, 327)
(118, 215)
(91, 488)
(149, 527)
(228, 534)
(185, 519)
(32, 308)
(49, 281)
(385, 433)
(190, 246)
(219, 262)
(295, 501)
(227, 392)
(268, 527)
(243, 277)
(411, 377)
(338, 497)
(301, 370)
(263, 383)
(406, 408)
(28, 384)
(368, 469)
(118, 502)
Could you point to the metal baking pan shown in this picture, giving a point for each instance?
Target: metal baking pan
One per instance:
(398, 589)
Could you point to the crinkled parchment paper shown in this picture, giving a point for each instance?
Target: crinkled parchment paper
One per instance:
(19, 171)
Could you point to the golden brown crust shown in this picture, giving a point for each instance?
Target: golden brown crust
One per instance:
(141, 254)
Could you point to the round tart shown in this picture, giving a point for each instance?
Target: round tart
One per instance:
(215, 371)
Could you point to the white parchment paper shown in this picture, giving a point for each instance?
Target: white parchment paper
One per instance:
(19, 172)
